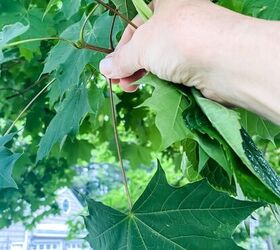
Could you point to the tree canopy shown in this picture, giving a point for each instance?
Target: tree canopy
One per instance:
(56, 117)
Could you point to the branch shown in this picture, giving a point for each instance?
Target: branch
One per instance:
(77, 45)
(27, 106)
(115, 128)
(111, 32)
(116, 12)
(11, 89)
(22, 92)
(37, 39)
(95, 48)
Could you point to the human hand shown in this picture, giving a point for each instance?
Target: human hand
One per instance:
(200, 44)
(179, 47)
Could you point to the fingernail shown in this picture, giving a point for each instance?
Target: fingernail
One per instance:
(106, 66)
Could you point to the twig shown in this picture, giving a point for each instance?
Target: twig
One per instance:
(116, 12)
(116, 134)
(76, 45)
(22, 92)
(111, 32)
(36, 40)
(27, 106)
(117, 140)
(95, 48)
(11, 89)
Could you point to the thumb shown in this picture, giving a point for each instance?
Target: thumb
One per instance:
(122, 63)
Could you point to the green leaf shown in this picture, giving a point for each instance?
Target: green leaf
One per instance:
(227, 123)
(218, 150)
(7, 161)
(218, 177)
(69, 8)
(258, 126)
(203, 158)
(259, 163)
(208, 138)
(136, 155)
(75, 150)
(168, 104)
(50, 5)
(194, 216)
(39, 27)
(266, 9)
(143, 9)
(69, 62)
(8, 33)
(251, 186)
(190, 169)
(96, 100)
(67, 120)
(125, 7)
(215, 150)
(5, 139)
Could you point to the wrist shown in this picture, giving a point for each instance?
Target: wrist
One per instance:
(249, 67)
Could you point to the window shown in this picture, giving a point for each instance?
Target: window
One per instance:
(66, 206)
(44, 246)
(17, 246)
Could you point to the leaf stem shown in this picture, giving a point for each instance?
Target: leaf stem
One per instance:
(95, 48)
(22, 92)
(78, 45)
(111, 32)
(114, 121)
(82, 31)
(117, 140)
(37, 39)
(27, 106)
(143, 9)
(116, 12)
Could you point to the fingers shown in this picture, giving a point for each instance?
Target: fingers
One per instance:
(122, 63)
(125, 83)
(123, 66)
(115, 81)
(127, 59)
(129, 31)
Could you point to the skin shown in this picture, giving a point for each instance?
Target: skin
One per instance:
(229, 57)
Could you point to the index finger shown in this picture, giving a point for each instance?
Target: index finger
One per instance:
(129, 31)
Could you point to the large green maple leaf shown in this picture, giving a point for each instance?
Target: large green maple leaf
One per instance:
(258, 126)
(8, 33)
(67, 120)
(265, 9)
(195, 216)
(69, 62)
(238, 139)
(168, 104)
(7, 161)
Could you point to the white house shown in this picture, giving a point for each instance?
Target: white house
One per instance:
(51, 233)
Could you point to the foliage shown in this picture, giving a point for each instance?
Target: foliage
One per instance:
(191, 217)
(7, 161)
(71, 125)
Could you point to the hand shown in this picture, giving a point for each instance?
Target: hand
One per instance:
(200, 44)
(179, 44)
